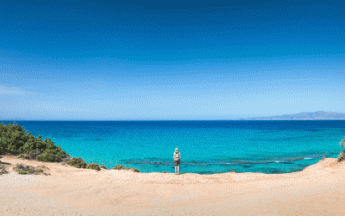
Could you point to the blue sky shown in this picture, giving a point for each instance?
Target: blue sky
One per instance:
(152, 60)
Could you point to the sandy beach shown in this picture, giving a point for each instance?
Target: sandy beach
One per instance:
(317, 190)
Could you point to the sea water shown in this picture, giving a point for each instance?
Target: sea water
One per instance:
(206, 146)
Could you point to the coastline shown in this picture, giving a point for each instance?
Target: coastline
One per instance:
(148, 146)
(69, 190)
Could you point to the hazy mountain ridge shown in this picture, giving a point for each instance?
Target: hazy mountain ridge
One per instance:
(321, 115)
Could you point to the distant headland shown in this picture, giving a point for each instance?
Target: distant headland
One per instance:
(320, 115)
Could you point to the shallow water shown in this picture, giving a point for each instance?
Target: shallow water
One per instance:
(205, 146)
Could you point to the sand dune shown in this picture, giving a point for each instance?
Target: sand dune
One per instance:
(317, 190)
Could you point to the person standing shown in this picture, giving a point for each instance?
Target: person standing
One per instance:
(177, 159)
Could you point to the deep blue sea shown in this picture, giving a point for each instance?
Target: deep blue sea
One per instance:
(206, 146)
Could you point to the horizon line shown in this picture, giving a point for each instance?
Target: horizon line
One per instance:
(177, 120)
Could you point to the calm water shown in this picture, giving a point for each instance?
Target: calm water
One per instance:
(205, 146)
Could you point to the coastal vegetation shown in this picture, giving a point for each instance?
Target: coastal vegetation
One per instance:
(342, 153)
(47, 157)
(120, 167)
(23, 170)
(77, 162)
(14, 140)
(93, 166)
(2, 169)
(135, 170)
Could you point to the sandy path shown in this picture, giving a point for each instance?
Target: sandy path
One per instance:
(317, 190)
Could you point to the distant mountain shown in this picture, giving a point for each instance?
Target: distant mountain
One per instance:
(321, 115)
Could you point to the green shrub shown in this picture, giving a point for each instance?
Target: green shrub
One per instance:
(24, 156)
(34, 154)
(341, 156)
(2, 169)
(22, 172)
(15, 140)
(47, 157)
(11, 141)
(65, 160)
(103, 167)
(342, 143)
(30, 155)
(134, 170)
(77, 162)
(119, 167)
(342, 153)
(21, 169)
(93, 166)
(19, 166)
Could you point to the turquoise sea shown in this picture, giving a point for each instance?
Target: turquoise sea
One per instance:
(206, 146)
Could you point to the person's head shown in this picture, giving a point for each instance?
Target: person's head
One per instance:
(176, 149)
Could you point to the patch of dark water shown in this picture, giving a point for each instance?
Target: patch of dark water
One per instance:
(228, 162)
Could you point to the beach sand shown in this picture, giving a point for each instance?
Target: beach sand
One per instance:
(317, 190)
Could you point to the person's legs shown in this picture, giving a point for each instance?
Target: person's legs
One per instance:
(175, 168)
(178, 169)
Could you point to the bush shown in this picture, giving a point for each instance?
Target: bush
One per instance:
(65, 160)
(2, 169)
(47, 157)
(30, 155)
(24, 156)
(134, 170)
(34, 154)
(15, 140)
(342, 143)
(103, 167)
(119, 167)
(93, 166)
(23, 170)
(11, 139)
(341, 156)
(77, 162)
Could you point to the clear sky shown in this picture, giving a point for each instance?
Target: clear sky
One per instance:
(153, 60)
